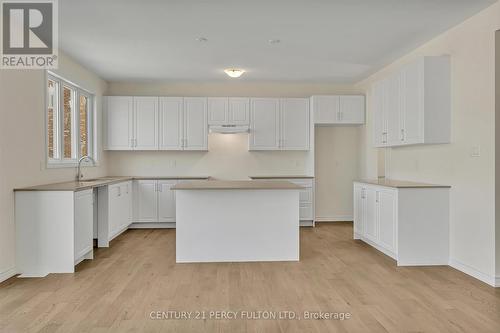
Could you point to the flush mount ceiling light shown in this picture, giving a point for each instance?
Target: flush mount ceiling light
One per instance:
(274, 41)
(234, 72)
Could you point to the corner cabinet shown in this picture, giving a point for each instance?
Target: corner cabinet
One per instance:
(338, 110)
(408, 224)
(413, 106)
(279, 124)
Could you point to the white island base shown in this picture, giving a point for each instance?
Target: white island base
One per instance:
(237, 225)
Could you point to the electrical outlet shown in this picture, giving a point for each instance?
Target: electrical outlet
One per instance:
(475, 151)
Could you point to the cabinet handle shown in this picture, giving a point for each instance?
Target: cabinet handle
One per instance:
(377, 197)
(402, 134)
(119, 191)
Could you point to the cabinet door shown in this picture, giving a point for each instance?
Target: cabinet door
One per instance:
(352, 110)
(370, 218)
(387, 219)
(147, 201)
(264, 124)
(412, 107)
(166, 201)
(84, 222)
(195, 123)
(119, 122)
(239, 111)
(218, 111)
(126, 191)
(294, 124)
(392, 104)
(115, 209)
(326, 109)
(171, 123)
(379, 114)
(146, 123)
(359, 199)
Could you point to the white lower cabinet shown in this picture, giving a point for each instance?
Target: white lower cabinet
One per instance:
(114, 211)
(84, 223)
(155, 201)
(408, 224)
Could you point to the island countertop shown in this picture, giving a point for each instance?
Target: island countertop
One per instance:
(399, 183)
(236, 185)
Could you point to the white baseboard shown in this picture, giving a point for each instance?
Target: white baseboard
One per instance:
(464, 268)
(153, 225)
(7, 274)
(339, 218)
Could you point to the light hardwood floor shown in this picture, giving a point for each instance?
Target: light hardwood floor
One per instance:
(118, 290)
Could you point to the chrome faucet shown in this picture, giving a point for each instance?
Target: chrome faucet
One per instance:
(83, 158)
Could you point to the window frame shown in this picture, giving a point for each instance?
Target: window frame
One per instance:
(61, 161)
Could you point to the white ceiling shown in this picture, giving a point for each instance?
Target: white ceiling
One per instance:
(321, 41)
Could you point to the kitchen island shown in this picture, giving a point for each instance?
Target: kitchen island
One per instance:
(235, 221)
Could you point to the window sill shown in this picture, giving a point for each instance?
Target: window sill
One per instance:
(70, 164)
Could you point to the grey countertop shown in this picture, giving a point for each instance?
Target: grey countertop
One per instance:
(236, 185)
(399, 183)
(103, 181)
(282, 177)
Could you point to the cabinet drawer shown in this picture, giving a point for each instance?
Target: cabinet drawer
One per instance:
(306, 212)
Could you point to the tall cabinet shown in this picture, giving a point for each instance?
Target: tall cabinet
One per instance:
(413, 106)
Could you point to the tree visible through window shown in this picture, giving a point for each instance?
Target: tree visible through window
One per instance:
(69, 122)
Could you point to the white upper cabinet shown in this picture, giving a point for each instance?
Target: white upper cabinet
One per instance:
(338, 110)
(279, 124)
(351, 110)
(326, 109)
(238, 111)
(294, 124)
(119, 120)
(264, 124)
(131, 123)
(228, 111)
(171, 123)
(195, 123)
(413, 106)
(146, 123)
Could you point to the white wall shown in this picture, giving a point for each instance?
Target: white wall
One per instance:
(472, 212)
(228, 155)
(22, 141)
(337, 166)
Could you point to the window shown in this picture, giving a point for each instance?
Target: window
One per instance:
(70, 122)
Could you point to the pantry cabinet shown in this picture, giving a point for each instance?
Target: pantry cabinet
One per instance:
(279, 124)
(338, 110)
(413, 105)
(409, 224)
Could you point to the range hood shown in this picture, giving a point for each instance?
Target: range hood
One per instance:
(228, 129)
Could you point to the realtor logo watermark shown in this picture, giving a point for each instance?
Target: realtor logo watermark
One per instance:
(29, 34)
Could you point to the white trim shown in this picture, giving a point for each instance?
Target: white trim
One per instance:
(469, 270)
(338, 218)
(7, 274)
(152, 225)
